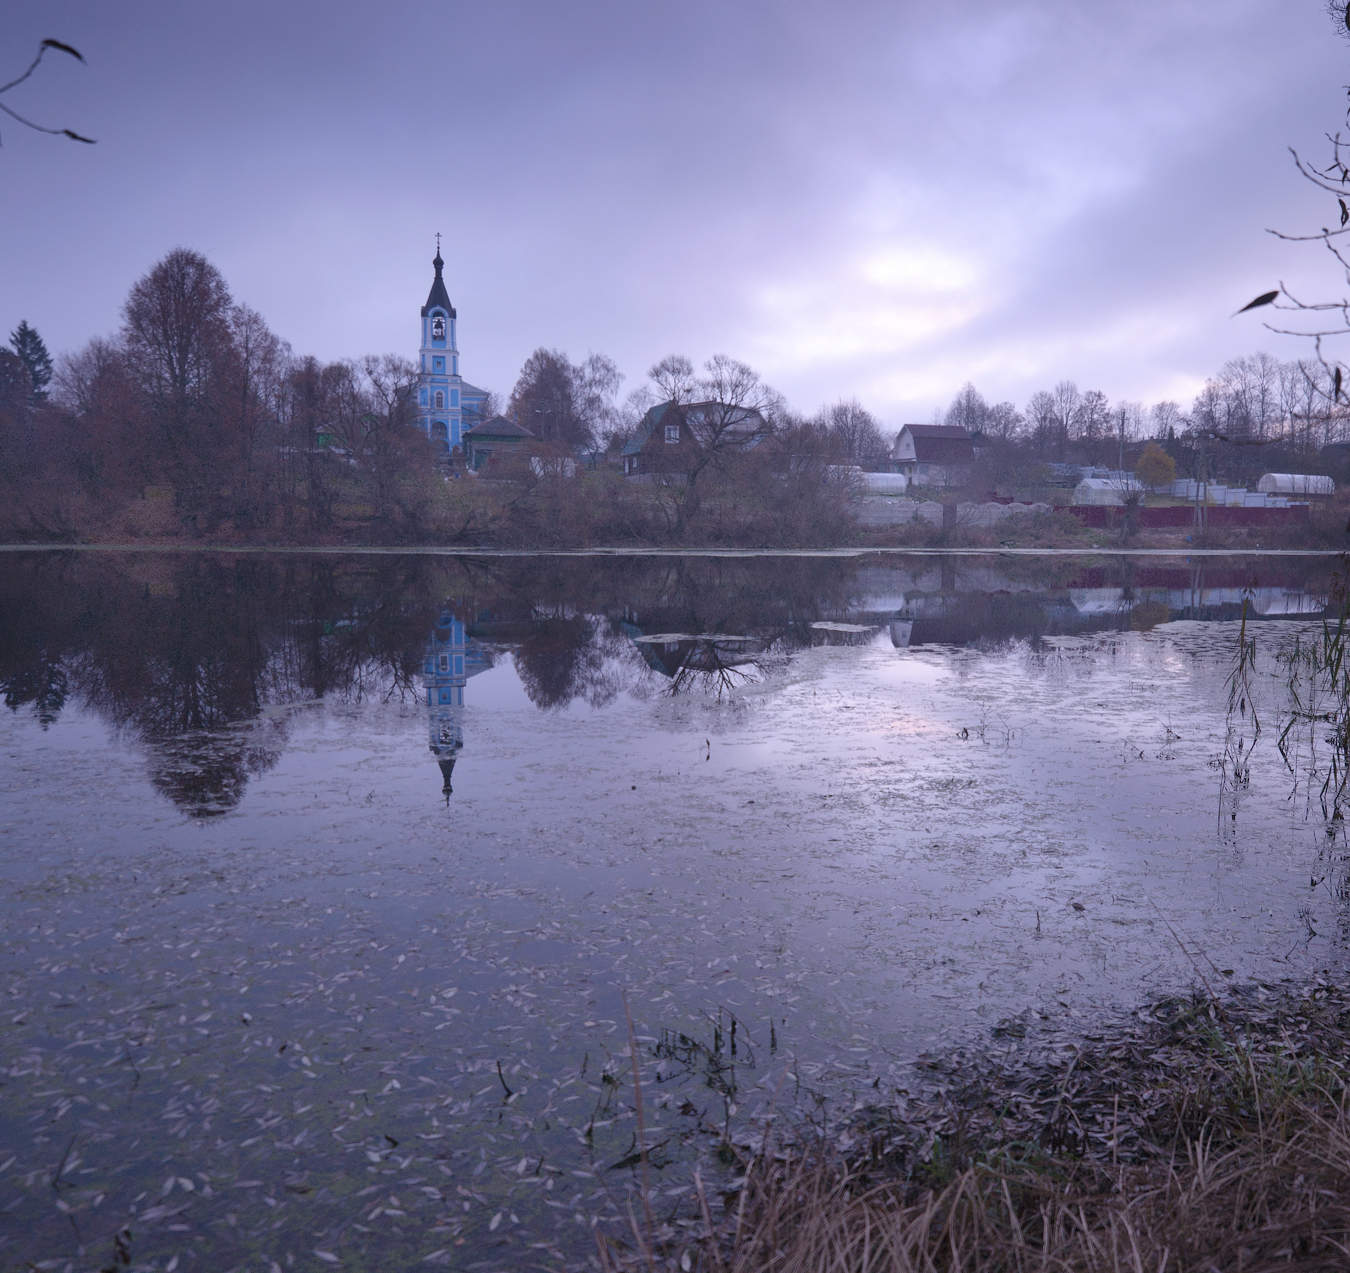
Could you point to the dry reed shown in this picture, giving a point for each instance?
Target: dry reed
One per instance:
(1201, 1137)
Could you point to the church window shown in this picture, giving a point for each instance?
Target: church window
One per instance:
(672, 434)
(438, 328)
(440, 400)
(439, 363)
(445, 662)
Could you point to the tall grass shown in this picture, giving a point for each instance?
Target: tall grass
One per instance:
(1317, 673)
(1198, 1137)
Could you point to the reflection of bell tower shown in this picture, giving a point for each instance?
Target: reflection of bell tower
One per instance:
(445, 675)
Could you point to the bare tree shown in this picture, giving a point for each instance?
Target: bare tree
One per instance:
(1167, 419)
(1093, 419)
(968, 409)
(543, 399)
(851, 433)
(568, 404)
(1127, 419)
(596, 382)
(1066, 402)
(734, 412)
(1322, 321)
(178, 343)
(1004, 422)
(674, 378)
(257, 368)
(1250, 385)
(1044, 421)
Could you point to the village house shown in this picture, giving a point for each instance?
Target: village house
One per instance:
(497, 437)
(672, 435)
(933, 454)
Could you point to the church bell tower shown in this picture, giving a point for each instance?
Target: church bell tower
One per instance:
(439, 386)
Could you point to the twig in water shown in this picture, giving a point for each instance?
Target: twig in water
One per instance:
(1195, 964)
(641, 1122)
(502, 1078)
(61, 1166)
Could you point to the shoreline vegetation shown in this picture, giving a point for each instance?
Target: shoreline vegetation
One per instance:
(585, 530)
(195, 423)
(1208, 1132)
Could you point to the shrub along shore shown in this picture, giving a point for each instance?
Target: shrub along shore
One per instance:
(1198, 1135)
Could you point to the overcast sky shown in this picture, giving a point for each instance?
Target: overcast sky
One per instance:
(871, 200)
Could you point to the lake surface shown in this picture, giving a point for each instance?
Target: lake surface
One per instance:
(333, 885)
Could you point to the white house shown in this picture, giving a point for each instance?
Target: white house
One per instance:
(933, 454)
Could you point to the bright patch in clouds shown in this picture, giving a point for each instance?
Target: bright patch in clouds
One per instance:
(925, 270)
(886, 303)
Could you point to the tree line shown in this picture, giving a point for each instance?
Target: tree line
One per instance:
(195, 418)
(1254, 398)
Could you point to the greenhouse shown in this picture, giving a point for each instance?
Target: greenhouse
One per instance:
(1296, 484)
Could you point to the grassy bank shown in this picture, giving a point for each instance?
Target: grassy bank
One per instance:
(1201, 1134)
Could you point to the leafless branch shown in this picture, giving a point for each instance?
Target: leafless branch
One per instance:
(60, 47)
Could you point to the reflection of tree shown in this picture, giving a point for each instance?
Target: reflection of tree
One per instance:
(186, 654)
(193, 655)
(182, 691)
(203, 773)
(569, 656)
(717, 668)
(43, 683)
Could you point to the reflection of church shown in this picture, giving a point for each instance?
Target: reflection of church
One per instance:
(451, 658)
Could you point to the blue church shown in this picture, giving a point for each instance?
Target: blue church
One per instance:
(447, 405)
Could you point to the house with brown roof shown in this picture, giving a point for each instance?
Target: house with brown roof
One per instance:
(933, 454)
(672, 435)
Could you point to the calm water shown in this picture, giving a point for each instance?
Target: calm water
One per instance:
(326, 879)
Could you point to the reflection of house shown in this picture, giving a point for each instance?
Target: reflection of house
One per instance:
(447, 404)
(496, 437)
(716, 662)
(672, 434)
(449, 661)
(933, 454)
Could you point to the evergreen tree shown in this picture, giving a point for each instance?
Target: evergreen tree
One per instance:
(25, 342)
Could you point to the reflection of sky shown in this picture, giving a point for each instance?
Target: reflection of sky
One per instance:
(882, 849)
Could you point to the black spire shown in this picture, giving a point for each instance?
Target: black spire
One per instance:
(438, 295)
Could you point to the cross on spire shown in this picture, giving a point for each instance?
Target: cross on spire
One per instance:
(438, 243)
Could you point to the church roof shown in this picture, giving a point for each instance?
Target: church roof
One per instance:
(438, 295)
